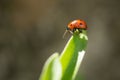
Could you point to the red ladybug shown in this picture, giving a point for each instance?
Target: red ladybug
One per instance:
(76, 25)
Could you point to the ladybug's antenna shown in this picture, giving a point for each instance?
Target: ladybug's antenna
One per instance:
(65, 33)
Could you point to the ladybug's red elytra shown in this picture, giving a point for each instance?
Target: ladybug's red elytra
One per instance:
(76, 25)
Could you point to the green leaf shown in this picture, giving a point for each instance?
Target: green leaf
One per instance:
(72, 55)
(52, 68)
(66, 66)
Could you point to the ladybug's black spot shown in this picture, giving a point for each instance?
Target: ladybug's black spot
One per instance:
(70, 24)
(81, 24)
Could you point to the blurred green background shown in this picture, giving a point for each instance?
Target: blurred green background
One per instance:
(31, 30)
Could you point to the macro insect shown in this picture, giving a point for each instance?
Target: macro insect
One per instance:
(76, 25)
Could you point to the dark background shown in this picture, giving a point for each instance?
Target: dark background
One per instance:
(31, 31)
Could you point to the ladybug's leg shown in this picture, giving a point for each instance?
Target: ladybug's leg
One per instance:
(80, 30)
(70, 31)
(85, 29)
(74, 30)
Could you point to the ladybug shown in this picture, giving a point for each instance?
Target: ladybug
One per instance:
(76, 25)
